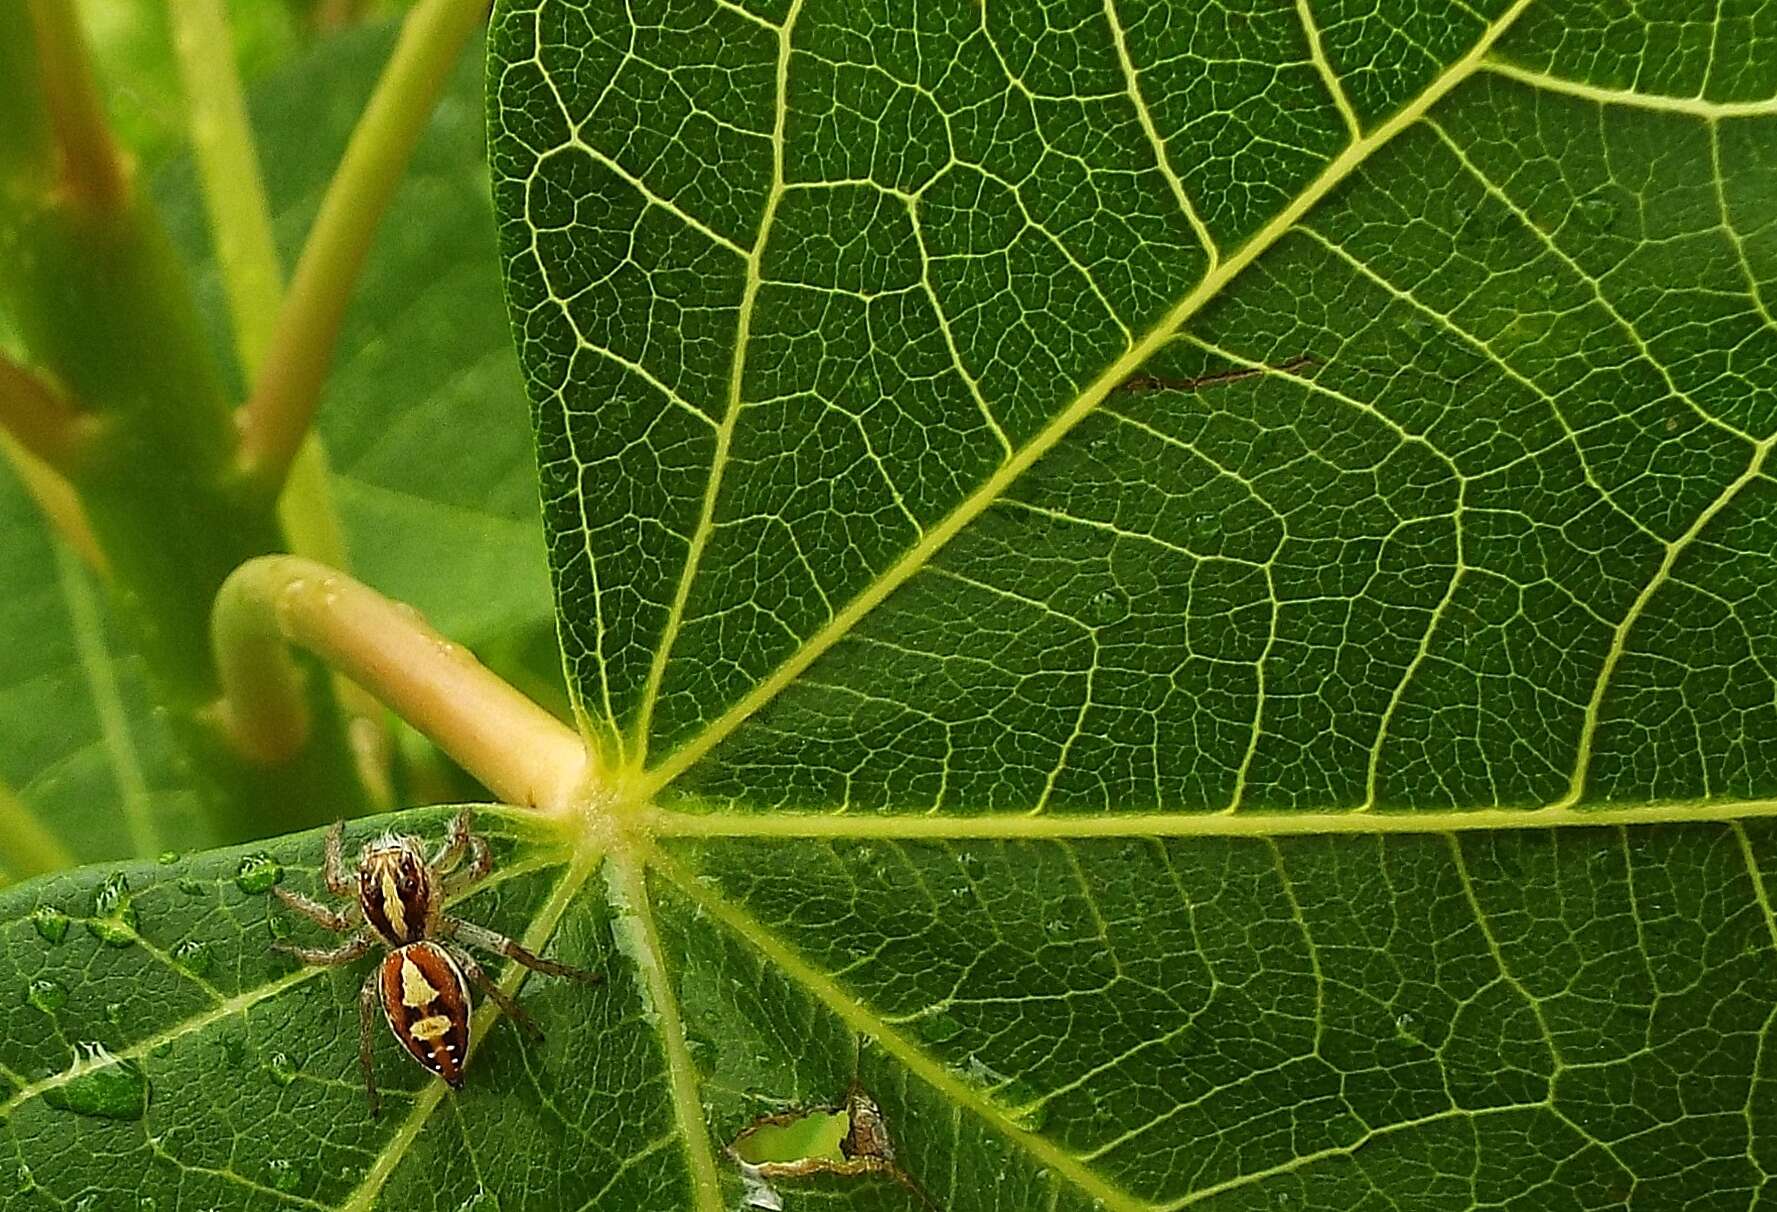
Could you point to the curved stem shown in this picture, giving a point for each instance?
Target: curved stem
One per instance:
(522, 753)
(287, 388)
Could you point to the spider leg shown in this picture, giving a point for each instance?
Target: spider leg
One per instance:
(481, 861)
(316, 912)
(323, 957)
(499, 944)
(456, 839)
(334, 870)
(367, 1001)
(505, 1001)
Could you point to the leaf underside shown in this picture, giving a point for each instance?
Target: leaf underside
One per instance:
(1074, 514)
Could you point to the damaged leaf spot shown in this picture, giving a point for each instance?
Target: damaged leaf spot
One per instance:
(850, 1140)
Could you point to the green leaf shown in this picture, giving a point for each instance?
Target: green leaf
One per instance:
(158, 1052)
(82, 753)
(1198, 580)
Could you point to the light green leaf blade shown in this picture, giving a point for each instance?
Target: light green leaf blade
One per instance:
(1088, 538)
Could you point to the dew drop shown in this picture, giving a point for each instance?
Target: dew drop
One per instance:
(194, 957)
(1031, 1117)
(114, 915)
(1597, 211)
(281, 1068)
(52, 924)
(103, 1087)
(936, 1028)
(1417, 327)
(1107, 606)
(167, 858)
(285, 1176)
(191, 887)
(114, 1013)
(47, 995)
(258, 873)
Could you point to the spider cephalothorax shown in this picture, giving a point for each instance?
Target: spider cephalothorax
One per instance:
(423, 981)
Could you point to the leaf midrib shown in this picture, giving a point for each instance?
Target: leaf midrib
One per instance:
(652, 780)
(840, 823)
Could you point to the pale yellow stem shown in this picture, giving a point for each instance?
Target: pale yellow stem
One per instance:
(518, 750)
(228, 167)
(246, 254)
(287, 389)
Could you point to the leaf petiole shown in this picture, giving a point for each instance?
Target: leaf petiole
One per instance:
(287, 387)
(522, 753)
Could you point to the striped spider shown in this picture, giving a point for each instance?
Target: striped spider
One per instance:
(398, 900)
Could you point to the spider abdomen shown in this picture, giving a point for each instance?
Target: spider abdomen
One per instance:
(425, 998)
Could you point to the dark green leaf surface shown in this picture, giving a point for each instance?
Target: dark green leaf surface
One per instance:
(1017, 473)
(159, 1055)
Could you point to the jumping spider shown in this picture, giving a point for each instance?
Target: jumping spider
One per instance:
(398, 900)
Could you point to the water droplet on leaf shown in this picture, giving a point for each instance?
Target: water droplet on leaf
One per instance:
(167, 858)
(285, 1176)
(114, 1013)
(47, 995)
(1597, 211)
(104, 1087)
(191, 887)
(114, 915)
(258, 873)
(936, 1028)
(52, 924)
(281, 1068)
(1107, 606)
(194, 957)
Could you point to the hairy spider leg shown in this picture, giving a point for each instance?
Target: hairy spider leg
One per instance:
(462, 838)
(505, 1001)
(497, 943)
(318, 913)
(333, 870)
(322, 957)
(367, 1003)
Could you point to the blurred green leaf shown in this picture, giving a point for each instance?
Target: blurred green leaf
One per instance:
(424, 418)
(80, 743)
